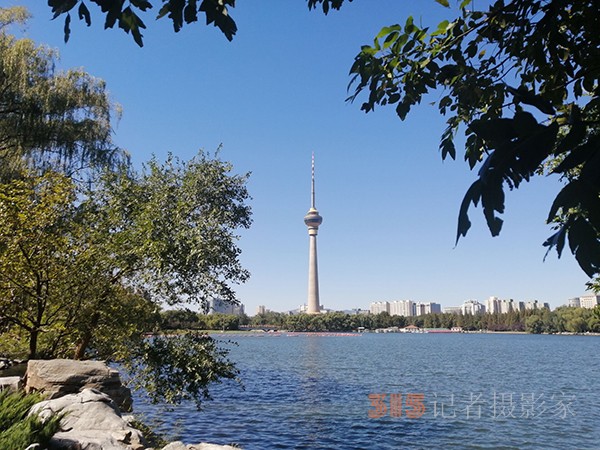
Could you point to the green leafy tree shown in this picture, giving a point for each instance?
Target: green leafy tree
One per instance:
(82, 272)
(49, 118)
(38, 243)
(521, 79)
(169, 232)
(128, 15)
(179, 367)
(179, 319)
(222, 322)
(534, 324)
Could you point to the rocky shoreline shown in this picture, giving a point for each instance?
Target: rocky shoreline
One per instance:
(92, 398)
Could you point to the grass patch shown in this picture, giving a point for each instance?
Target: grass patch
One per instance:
(154, 439)
(17, 430)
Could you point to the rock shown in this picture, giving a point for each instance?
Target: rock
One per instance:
(178, 445)
(4, 363)
(91, 422)
(10, 383)
(59, 377)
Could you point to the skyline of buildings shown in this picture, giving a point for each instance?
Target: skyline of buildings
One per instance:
(492, 305)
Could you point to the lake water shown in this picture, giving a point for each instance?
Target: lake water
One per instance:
(467, 391)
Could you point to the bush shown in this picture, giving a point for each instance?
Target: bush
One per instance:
(17, 430)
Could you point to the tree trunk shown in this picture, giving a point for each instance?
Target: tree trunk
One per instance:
(86, 338)
(33, 339)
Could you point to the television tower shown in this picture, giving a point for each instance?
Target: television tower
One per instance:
(312, 221)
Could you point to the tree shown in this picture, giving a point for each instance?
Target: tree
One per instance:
(84, 266)
(179, 367)
(83, 272)
(534, 324)
(169, 232)
(522, 80)
(37, 244)
(48, 118)
(180, 12)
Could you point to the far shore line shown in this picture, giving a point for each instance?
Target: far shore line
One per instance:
(357, 333)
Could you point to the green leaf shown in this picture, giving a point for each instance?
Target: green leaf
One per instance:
(522, 94)
(576, 157)
(61, 6)
(67, 28)
(84, 13)
(141, 4)
(443, 3)
(473, 195)
(387, 30)
(557, 240)
(442, 28)
(494, 130)
(585, 245)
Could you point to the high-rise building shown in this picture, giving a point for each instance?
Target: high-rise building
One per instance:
(379, 307)
(507, 306)
(216, 305)
(421, 308)
(312, 220)
(472, 307)
(589, 301)
(402, 308)
(492, 305)
(452, 310)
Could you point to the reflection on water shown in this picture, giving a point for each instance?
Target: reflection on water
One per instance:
(312, 392)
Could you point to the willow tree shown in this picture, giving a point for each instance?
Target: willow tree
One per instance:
(49, 118)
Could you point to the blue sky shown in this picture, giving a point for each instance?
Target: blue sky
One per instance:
(272, 97)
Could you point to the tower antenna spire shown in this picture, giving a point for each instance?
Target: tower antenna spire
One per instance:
(313, 181)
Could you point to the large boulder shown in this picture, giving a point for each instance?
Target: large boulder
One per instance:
(59, 377)
(10, 383)
(91, 422)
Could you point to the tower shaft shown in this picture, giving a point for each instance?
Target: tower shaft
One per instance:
(313, 277)
(312, 220)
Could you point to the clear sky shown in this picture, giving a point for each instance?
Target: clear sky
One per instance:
(272, 97)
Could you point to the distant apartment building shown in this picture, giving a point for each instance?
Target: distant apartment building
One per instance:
(452, 310)
(421, 308)
(216, 305)
(507, 306)
(496, 306)
(405, 308)
(402, 308)
(472, 307)
(492, 305)
(574, 302)
(589, 301)
(262, 309)
(356, 311)
(536, 305)
(379, 307)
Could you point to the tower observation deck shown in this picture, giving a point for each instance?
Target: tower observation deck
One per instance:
(312, 220)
